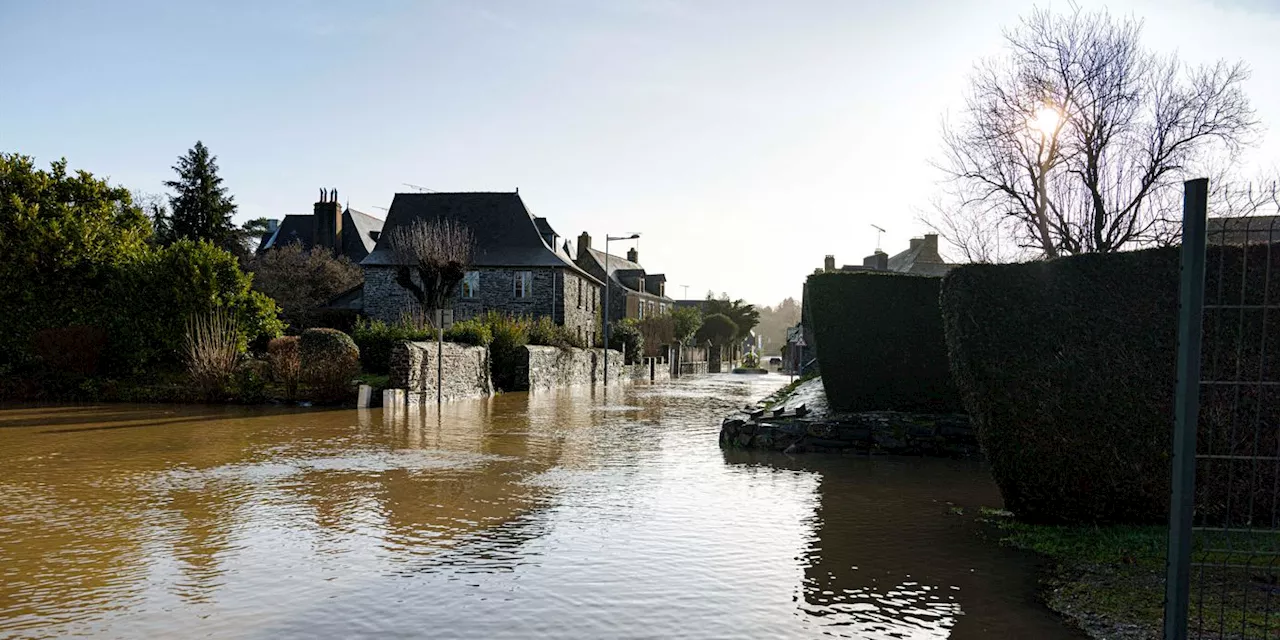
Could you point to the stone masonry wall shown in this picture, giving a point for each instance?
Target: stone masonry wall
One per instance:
(551, 367)
(466, 371)
(554, 293)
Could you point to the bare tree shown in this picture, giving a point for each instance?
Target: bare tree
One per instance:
(1076, 140)
(438, 252)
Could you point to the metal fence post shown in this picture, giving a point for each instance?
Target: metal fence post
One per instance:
(1186, 409)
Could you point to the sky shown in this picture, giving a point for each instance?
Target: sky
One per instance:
(743, 140)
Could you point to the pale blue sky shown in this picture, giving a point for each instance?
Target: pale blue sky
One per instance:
(745, 140)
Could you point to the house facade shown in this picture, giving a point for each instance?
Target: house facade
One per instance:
(343, 231)
(519, 264)
(633, 293)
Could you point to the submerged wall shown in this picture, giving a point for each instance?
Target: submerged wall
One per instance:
(466, 371)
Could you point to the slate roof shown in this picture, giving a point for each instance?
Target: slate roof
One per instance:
(297, 228)
(506, 234)
(624, 272)
(921, 259)
(300, 228)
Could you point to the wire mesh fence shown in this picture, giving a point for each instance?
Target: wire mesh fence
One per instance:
(1227, 575)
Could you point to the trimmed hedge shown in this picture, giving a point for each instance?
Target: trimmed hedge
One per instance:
(1067, 368)
(330, 360)
(880, 342)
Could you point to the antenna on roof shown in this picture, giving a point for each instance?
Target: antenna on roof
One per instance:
(384, 209)
(418, 189)
(878, 232)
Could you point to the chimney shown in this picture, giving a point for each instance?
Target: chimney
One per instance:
(584, 243)
(272, 225)
(829, 263)
(633, 255)
(878, 261)
(929, 249)
(327, 221)
(915, 243)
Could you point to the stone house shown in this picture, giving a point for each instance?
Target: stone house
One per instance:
(921, 258)
(519, 264)
(633, 293)
(344, 231)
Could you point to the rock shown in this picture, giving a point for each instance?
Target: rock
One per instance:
(757, 414)
(743, 440)
(802, 411)
(731, 423)
(777, 413)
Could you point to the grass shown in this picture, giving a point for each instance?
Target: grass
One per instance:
(1110, 580)
(374, 380)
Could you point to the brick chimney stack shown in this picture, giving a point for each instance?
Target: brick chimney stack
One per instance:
(633, 255)
(584, 244)
(327, 221)
(829, 263)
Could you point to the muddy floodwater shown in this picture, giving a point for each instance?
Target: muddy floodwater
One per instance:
(557, 515)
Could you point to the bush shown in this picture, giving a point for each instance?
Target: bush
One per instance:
(625, 336)
(250, 383)
(545, 332)
(657, 331)
(330, 360)
(506, 353)
(286, 363)
(472, 331)
(880, 342)
(151, 300)
(1067, 368)
(718, 329)
(69, 350)
(376, 339)
(212, 351)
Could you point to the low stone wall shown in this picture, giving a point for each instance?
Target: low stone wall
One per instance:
(872, 432)
(693, 368)
(651, 370)
(553, 367)
(466, 371)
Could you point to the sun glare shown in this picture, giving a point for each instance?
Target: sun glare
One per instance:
(1046, 121)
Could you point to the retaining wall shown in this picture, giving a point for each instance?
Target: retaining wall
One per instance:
(466, 371)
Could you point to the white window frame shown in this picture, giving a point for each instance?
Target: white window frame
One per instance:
(471, 285)
(522, 285)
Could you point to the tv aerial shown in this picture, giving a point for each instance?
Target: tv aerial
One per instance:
(879, 231)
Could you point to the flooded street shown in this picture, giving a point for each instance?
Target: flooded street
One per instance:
(564, 515)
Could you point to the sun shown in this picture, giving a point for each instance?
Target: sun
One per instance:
(1046, 121)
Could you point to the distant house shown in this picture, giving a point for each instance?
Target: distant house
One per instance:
(346, 232)
(921, 258)
(633, 293)
(519, 264)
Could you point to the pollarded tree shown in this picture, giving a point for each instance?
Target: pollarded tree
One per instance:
(201, 208)
(437, 252)
(1075, 139)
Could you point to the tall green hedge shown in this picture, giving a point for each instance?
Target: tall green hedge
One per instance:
(1067, 369)
(880, 342)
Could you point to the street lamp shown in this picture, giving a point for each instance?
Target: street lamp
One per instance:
(605, 312)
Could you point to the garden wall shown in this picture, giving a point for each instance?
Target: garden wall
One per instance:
(466, 371)
(553, 367)
(880, 342)
(1067, 369)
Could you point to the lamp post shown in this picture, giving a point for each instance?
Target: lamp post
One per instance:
(605, 312)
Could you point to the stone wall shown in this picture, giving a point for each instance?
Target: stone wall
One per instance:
(651, 369)
(466, 371)
(551, 367)
(580, 305)
(384, 298)
(693, 368)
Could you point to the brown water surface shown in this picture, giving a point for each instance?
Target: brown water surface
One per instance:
(565, 515)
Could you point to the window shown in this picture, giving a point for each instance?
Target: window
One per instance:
(524, 284)
(640, 310)
(471, 284)
(579, 295)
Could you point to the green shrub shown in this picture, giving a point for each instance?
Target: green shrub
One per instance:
(506, 353)
(330, 360)
(376, 339)
(151, 299)
(880, 342)
(472, 331)
(250, 383)
(1067, 369)
(286, 363)
(625, 335)
(545, 332)
(69, 350)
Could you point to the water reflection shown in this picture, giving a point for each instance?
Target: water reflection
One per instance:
(561, 514)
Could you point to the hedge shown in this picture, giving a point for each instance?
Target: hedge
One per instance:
(329, 361)
(879, 342)
(1067, 369)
